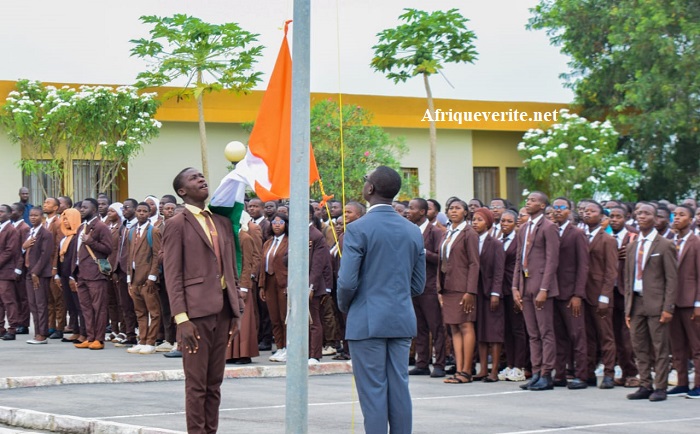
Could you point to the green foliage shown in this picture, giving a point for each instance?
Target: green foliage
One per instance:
(577, 159)
(636, 62)
(423, 44)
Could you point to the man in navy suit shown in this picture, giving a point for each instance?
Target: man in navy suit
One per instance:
(382, 267)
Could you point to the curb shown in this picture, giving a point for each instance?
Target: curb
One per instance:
(330, 368)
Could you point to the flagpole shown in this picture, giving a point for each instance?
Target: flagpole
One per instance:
(297, 397)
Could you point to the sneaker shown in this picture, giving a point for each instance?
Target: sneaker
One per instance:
(673, 378)
(503, 375)
(126, 343)
(329, 351)
(275, 357)
(147, 349)
(135, 349)
(120, 338)
(694, 394)
(165, 347)
(38, 340)
(516, 374)
(283, 357)
(679, 391)
(110, 337)
(313, 362)
(600, 371)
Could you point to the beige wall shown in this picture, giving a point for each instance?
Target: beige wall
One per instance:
(10, 175)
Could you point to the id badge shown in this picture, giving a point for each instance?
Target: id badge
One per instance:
(527, 274)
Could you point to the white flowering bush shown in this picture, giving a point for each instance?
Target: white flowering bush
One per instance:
(577, 159)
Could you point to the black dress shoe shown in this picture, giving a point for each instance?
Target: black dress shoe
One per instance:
(22, 330)
(534, 379)
(592, 381)
(607, 383)
(658, 395)
(560, 383)
(411, 361)
(173, 354)
(243, 361)
(419, 371)
(437, 373)
(641, 393)
(544, 383)
(56, 335)
(262, 346)
(8, 337)
(577, 384)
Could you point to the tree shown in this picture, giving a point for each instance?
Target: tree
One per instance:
(422, 46)
(636, 62)
(577, 159)
(210, 57)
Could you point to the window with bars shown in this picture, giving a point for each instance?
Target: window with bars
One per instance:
(86, 174)
(486, 183)
(41, 185)
(514, 186)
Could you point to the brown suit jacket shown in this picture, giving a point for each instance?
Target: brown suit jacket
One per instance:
(629, 237)
(689, 273)
(191, 269)
(572, 272)
(101, 245)
(432, 238)
(145, 257)
(10, 252)
(462, 268)
(123, 249)
(251, 249)
(55, 229)
(491, 266)
(23, 230)
(279, 263)
(660, 277)
(602, 269)
(543, 260)
(320, 271)
(113, 258)
(41, 253)
(509, 265)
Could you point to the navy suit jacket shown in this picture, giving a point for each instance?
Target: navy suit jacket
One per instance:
(382, 267)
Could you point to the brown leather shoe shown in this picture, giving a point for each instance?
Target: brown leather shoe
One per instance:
(96, 345)
(632, 382)
(85, 344)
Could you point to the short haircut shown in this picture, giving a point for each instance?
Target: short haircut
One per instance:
(55, 201)
(620, 208)
(91, 200)
(179, 181)
(7, 208)
(422, 203)
(256, 199)
(68, 200)
(134, 202)
(481, 204)
(386, 182)
(565, 199)
(512, 212)
(144, 204)
(506, 202)
(449, 201)
(688, 207)
(168, 198)
(593, 202)
(36, 210)
(358, 207)
(20, 207)
(663, 208)
(104, 197)
(435, 203)
(543, 197)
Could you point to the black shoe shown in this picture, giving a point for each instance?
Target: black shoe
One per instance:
(411, 361)
(451, 370)
(560, 383)
(607, 383)
(658, 395)
(173, 354)
(544, 383)
(437, 373)
(641, 393)
(419, 371)
(243, 361)
(577, 384)
(8, 337)
(449, 360)
(262, 346)
(22, 330)
(534, 379)
(592, 381)
(56, 335)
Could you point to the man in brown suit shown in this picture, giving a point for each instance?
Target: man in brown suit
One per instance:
(57, 305)
(651, 279)
(93, 286)
(427, 305)
(535, 287)
(569, 309)
(255, 210)
(321, 284)
(38, 252)
(198, 258)
(20, 285)
(600, 286)
(685, 326)
(9, 254)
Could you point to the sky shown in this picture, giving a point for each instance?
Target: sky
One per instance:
(81, 41)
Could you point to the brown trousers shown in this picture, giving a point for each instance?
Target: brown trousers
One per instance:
(429, 322)
(204, 371)
(93, 298)
(570, 333)
(147, 303)
(685, 343)
(23, 313)
(623, 341)
(113, 311)
(126, 305)
(277, 306)
(315, 329)
(8, 299)
(57, 307)
(599, 332)
(540, 328)
(331, 328)
(39, 304)
(651, 344)
(516, 340)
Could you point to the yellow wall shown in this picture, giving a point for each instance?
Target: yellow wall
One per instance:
(497, 149)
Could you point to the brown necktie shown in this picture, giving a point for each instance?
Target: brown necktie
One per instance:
(214, 239)
(528, 246)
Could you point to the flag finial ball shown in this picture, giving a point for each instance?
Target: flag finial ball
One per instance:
(235, 151)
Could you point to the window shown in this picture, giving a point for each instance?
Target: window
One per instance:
(486, 183)
(86, 174)
(409, 183)
(40, 185)
(514, 187)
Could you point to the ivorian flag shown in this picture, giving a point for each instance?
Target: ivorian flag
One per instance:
(266, 166)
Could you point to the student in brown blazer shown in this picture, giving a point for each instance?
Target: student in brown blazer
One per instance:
(92, 284)
(9, 254)
(70, 222)
(273, 283)
(535, 288)
(489, 311)
(600, 287)
(57, 305)
(651, 280)
(685, 325)
(142, 279)
(458, 286)
(255, 209)
(113, 220)
(623, 343)
(427, 305)
(198, 259)
(20, 284)
(38, 251)
(320, 283)
(569, 308)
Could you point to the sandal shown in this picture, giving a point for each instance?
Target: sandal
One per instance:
(459, 378)
(489, 380)
(479, 377)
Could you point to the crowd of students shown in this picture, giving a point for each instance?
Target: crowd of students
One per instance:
(543, 294)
